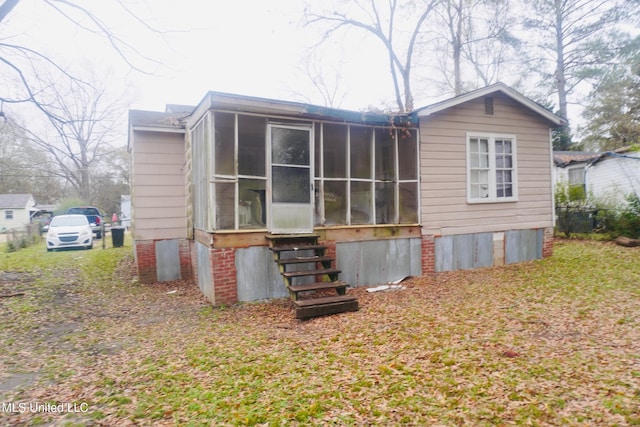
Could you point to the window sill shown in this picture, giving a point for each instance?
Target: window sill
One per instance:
(485, 201)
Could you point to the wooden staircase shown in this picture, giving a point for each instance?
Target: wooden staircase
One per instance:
(309, 276)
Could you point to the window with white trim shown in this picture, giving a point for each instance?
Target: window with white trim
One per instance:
(8, 214)
(491, 168)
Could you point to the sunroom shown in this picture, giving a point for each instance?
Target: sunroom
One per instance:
(263, 167)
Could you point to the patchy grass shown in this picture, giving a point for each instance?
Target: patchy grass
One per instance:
(552, 342)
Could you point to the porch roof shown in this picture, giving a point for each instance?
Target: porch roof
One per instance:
(290, 109)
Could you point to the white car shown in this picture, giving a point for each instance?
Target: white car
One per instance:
(69, 231)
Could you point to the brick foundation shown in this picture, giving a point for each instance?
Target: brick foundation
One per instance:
(186, 271)
(145, 252)
(146, 261)
(223, 269)
(428, 254)
(547, 243)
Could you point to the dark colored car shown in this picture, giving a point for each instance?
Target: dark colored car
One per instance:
(93, 215)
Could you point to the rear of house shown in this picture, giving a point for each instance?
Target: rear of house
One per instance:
(461, 184)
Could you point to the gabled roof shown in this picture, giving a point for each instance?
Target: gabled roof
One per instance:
(14, 201)
(488, 90)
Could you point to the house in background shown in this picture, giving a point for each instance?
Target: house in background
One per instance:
(609, 176)
(463, 183)
(16, 210)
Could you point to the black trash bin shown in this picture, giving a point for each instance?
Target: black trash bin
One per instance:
(117, 236)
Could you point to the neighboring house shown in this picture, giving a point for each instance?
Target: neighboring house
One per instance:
(463, 183)
(16, 210)
(609, 177)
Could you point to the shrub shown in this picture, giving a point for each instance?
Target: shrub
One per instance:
(628, 223)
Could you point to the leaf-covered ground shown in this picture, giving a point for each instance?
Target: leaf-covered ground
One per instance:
(551, 342)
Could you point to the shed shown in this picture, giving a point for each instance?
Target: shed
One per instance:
(16, 210)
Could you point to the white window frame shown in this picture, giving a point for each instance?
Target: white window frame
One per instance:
(492, 137)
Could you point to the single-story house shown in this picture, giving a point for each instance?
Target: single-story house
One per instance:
(16, 210)
(608, 176)
(462, 183)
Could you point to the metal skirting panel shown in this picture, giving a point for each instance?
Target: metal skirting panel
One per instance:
(258, 275)
(523, 245)
(378, 261)
(205, 280)
(464, 251)
(168, 260)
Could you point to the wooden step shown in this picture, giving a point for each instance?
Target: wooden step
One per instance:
(318, 286)
(303, 260)
(296, 248)
(314, 307)
(310, 272)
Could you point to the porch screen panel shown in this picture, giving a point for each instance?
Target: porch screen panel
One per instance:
(335, 202)
(408, 202)
(225, 206)
(252, 145)
(407, 154)
(335, 150)
(224, 137)
(252, 207)
(385, 154)
(360, 151)
(200, 174)
(385, 202)
(361, 202)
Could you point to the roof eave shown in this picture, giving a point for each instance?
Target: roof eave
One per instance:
(497, 87)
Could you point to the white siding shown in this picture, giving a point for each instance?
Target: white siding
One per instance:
(158, 199)
(444, 176)
(613, 178)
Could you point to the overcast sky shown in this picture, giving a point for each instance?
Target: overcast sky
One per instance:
(249, 47)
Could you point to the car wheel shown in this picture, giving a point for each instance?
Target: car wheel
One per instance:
(49, 249)
(90, 246)
(98, 235)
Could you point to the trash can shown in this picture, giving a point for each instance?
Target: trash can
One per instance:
(117, 236)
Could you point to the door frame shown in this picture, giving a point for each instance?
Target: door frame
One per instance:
(304, 211)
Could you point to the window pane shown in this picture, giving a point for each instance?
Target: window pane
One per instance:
(408, 202)
(408, 154)
(479, 184)
(224, 203)
(361, 152)
(252, 209)
(385, 203)
(335, 202)
(334, 139)
(252, 145)
(361, 202)
(224, 143)
(291, 185)
(504, 184)
(385, 154)
(290, 146)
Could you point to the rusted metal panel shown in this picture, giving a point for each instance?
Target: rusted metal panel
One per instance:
(523, 245)
(205, 282)
(258, 275)
(378, 261)
(464, 251)
(167, 260)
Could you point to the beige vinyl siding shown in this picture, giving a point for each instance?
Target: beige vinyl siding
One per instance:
(159, 200)
(443, 154)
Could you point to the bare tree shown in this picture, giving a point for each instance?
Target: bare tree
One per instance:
(20, 64)
(474, 44)
(84, 134)
(382, 22)
(331, 89)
